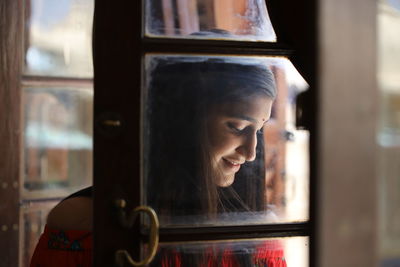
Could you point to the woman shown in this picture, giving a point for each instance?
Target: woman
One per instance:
(205, 162)
(202, 124)
(207, 114)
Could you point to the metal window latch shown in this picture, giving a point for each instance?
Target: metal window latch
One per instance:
(127, 220)
(109, 124)
(112, 123)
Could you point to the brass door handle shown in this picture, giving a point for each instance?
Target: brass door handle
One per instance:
(122, 255)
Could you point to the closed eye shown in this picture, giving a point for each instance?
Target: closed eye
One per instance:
(234, 128)
(240, 130)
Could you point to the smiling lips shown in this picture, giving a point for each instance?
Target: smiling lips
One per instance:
(233, 166)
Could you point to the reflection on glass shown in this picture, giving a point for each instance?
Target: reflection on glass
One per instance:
(215, 152)
(243, 19)
(389, 130)
(57, 141)
(34, 217)
(261, 252)
(58, 38)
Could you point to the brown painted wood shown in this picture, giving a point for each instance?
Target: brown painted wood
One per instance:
(117, 69)
(40, 81)
(296, 25)
(10, 131)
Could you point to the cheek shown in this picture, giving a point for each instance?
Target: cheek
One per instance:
(223, 144)
(220, 139)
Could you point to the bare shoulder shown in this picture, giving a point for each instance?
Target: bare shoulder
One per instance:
(71, 214)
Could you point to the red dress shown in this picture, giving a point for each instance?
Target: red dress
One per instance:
(268, 253)
(58, 248)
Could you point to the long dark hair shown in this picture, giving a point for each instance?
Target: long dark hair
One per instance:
(179, 95)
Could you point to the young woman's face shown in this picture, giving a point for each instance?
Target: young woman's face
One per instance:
(232, 131)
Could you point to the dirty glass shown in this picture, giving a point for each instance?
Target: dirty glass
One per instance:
(58, 38)
(291, 251)
(57, 140)
(209, 19)
(214, 151)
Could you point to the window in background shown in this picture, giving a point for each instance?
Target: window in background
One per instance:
(57, 116)
(58, 38)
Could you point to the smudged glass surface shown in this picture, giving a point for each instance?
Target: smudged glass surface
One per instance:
(209, 19)
(245, 253)
(388, 137)
(58, 38)
(179, 94)
(57, 140)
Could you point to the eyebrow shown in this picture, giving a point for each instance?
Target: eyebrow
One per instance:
(243, 117)
(246, 118)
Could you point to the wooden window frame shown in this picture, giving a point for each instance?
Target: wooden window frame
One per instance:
(122, 25)
(11, 43)
(12, 81)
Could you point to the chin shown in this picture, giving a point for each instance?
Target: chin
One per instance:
(225, 181)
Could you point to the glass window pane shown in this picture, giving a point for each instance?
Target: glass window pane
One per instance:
(261, 252)
(214, 150)
(222, 19)
(389, 130)
(58, 38)
(57, 140)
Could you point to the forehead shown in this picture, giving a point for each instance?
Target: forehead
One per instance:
(249, 108)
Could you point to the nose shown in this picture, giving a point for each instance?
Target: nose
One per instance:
(248, 147)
